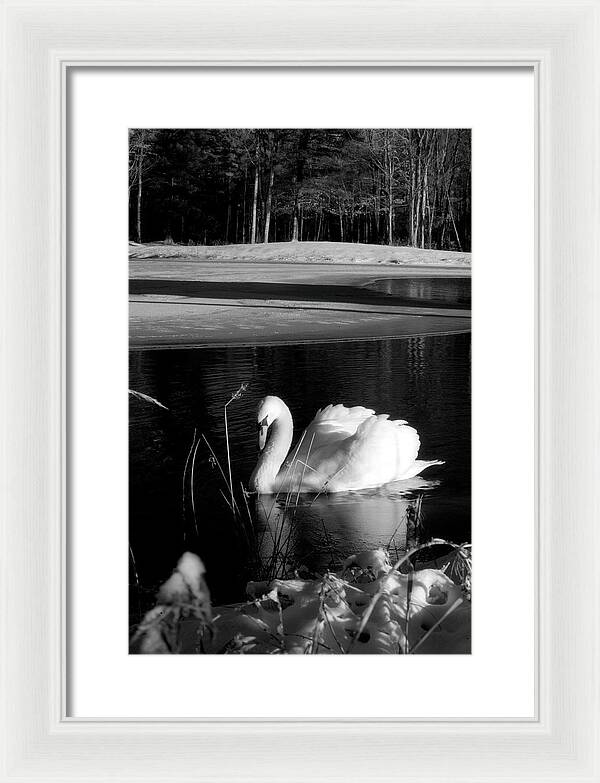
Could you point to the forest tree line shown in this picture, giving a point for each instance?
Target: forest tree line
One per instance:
(382, 186)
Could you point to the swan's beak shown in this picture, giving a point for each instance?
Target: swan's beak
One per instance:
(262, 433)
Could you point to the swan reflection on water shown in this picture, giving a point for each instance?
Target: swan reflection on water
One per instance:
(308, 529)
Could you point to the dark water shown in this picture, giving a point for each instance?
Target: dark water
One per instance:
(448, 292)
(426, 291)
(425, 380)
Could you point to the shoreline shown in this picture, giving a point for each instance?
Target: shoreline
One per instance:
(258, 343)
(183, 304)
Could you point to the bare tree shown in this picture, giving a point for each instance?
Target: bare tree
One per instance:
(383, 145)
(303, 140)
(141, 160)
(272, 144)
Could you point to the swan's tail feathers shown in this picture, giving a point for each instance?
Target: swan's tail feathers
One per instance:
(418, 467)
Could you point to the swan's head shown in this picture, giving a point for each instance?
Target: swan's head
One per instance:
(269, 409)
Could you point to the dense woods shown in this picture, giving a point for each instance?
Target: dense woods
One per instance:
(382, 186)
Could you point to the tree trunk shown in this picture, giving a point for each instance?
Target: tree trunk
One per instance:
(244, 206)
(169, 235)
(254, 206)
(294, 237)
(390, 196)
(303, 140)
(453, 222)
(418, 197)
(411, 187)
(228, 210)
(139, 205)
(268, 207)
(423, 208)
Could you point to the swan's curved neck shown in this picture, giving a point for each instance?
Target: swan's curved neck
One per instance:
(279, 440)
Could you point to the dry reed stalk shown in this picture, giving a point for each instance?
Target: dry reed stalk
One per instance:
(147, 398)
(235, 396)
(218, 464)
(192, 487)
(245, 496)
(326, 484)
(454, 606)
(228, 453)
(409, 585)
(313, 647)
(135, 571)
(305, 464)
(337, 641)
(286, 474)
(184, 477)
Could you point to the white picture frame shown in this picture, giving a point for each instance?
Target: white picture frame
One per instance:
(40, 42)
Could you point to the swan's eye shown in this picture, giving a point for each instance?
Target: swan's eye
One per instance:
(263, 423)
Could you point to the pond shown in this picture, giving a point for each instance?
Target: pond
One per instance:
(425, 380)
(447, 292)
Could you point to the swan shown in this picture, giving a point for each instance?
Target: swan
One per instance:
(341, 449)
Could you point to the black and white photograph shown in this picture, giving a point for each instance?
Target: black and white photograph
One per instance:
(300, 391)
(300, 358)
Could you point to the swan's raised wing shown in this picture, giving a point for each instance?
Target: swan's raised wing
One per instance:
(330, 426)
(337, 421)
(380, 451)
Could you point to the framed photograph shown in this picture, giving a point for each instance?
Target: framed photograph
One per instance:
(320, 264)
(300, 362)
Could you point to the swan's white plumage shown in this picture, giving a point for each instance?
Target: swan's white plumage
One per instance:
(331, 425)
(341, 449)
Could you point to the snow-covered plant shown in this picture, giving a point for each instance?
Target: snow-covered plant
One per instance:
(184, 595)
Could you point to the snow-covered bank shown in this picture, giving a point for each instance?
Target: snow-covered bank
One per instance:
(307, 253)
(366, 607)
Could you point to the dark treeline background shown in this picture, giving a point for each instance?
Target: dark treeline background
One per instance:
(382, 186)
